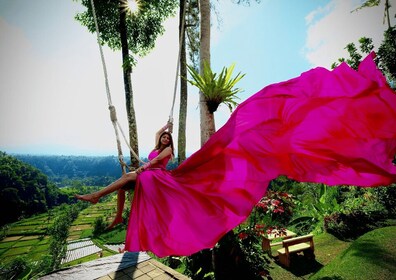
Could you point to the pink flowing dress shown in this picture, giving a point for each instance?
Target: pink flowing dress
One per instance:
(334, 127)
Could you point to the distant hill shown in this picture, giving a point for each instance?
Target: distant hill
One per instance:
(24, 190)
(67, 171)
(64, 170)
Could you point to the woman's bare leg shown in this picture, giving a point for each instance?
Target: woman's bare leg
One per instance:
(116, 185)
(120, 208)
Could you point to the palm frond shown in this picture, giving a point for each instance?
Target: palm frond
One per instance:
(217, 88)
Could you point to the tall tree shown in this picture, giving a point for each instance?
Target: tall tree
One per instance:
(386, 51)
(190, 42)
(134, 34)
(207, 119)
(181, 145)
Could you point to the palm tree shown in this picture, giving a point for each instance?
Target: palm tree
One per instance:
(216, 89)
(207, 119)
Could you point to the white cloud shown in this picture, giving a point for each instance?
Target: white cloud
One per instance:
(332, 27)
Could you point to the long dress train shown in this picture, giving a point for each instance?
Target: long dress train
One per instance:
(334, 127)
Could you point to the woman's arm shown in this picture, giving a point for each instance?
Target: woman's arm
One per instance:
(161, 130)
(165, 152)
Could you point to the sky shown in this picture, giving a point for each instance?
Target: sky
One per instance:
(52, 87)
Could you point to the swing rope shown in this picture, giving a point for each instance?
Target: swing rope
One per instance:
(181, 37)
(113, 114)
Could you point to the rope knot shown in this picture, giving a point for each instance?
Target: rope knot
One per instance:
(113, 114)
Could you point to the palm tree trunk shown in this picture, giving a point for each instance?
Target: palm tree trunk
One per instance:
(181, 146)
(127, 70)
(207, 118)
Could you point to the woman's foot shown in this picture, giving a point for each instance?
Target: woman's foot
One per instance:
(117, 220)
(92, 198)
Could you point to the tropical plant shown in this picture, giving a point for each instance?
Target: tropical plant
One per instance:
(310, 215)
(217, 88)
(365, 46)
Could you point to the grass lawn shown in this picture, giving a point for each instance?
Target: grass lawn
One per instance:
(371, 257)
(327, 247)
(115, 236)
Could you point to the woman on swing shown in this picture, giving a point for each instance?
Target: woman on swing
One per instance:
(158, 159)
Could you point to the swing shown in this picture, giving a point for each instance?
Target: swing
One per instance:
(112, 109)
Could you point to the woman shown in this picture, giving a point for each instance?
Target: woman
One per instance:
(158, 159)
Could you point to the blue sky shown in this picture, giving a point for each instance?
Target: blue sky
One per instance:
(52, 92)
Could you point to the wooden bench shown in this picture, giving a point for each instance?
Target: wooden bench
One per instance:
(295, 245)
(267, 241)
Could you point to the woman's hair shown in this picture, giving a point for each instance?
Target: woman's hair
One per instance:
(158, 146)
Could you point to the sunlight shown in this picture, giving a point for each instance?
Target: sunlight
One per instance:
(130, 6)
(133, 5)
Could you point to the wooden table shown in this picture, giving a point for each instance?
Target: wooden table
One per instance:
(267, 243)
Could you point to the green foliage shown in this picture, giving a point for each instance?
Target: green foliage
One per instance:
(368, 3)
(357, 216)
(99, 226)
(41, 267)
(217, 89)
(143, 27)
(14, 269)
(23, 268)
(240, 258)
(75, 171)
(365, 45)
(318, 202)
(24, 189)
(59, 232)
(387, 54)
(387, 197)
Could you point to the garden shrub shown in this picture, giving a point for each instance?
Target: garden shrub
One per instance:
(387, 196)
(14, 268)
(99, 226)
(357, 217)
